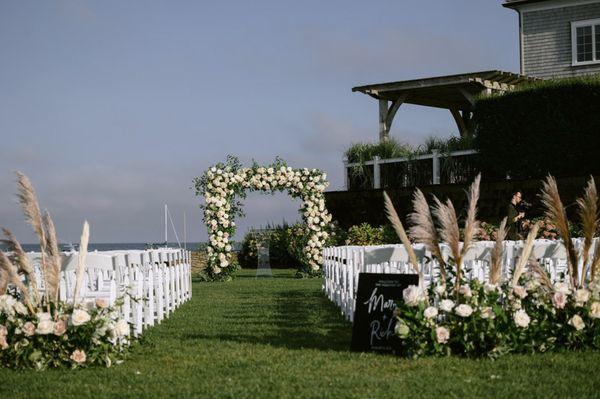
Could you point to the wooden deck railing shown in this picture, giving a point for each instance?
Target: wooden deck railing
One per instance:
(426, 169)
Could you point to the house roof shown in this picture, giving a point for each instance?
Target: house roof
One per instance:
(516, 3)
(452, 91)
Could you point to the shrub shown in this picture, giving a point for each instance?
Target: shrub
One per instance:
(287, 245)
(526, 133)
(248, 256)
(548, 230)
(362, 152)
(365, 234)
(445, 145)
(278, 239)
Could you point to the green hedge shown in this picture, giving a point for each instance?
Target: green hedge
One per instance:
(278, 240)
(286, 246)
(547, 127)
(365, 234)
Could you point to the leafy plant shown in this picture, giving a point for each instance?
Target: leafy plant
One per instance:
(445, 145)
(365, 234)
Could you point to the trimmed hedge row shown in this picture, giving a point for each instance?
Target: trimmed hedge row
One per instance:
(550, 127)
(350, 208)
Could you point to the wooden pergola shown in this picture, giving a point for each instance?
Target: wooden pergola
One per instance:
(456, 93)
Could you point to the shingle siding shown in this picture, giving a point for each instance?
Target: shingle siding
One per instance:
(547, 41)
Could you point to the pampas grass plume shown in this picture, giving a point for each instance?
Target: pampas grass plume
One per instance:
(497, 254)
(471, 224)
(10, 271)
(399, 228)
(80, 272)
(588, 213)
(22, 262)
(54, 261)
(527, 248)
(31, 208)
(423, 229)
(555, 211)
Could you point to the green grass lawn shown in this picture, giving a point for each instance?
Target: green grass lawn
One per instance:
(281, 337)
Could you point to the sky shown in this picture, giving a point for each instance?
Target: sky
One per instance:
(113, 107)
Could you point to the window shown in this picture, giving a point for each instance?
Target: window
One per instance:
(585, 36)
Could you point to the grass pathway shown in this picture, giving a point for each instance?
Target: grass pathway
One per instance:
(281, 337)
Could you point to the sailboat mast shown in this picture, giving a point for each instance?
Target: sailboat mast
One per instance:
(166, 230)
(184, 233)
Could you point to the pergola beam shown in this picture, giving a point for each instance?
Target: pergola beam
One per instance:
(456, 93)
(468, 96)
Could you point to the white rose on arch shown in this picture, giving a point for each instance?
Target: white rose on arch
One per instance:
(219, 190)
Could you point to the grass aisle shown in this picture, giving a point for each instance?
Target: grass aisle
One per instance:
(281, 338)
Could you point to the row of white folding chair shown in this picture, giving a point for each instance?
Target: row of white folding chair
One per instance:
(158, 280)
(111, 274)
(98, 282)
(342, 266)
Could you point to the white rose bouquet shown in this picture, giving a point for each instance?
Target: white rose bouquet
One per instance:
(68, 336)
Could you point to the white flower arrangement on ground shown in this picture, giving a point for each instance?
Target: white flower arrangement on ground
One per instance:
(36, 329)
(67, 336)
(487, 324)
(222, 184)
(522, 312)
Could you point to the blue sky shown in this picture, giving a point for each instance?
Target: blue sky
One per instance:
(112, 107)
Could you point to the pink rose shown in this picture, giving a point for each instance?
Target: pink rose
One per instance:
(3, 343)
(60, 327)
(520, 291)
(101, 303)
(466, 291)
(78, 356)
(28, 329)
(559, 300)
(442, 335)
(3, 331)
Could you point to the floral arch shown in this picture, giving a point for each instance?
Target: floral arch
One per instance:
(224, 184)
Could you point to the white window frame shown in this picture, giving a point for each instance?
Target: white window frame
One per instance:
(595, 45)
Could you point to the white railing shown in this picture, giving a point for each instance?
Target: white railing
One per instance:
(152, 283)
(435, 156)
(342, 265)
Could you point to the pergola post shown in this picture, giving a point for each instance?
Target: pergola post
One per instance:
(386, 115)
(463, 121)
(384, 131)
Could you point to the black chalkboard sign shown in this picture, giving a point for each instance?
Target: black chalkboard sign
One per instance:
(373, 329)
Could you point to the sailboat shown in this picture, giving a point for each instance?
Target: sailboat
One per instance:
(169, 218)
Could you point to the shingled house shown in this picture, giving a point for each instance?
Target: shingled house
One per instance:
(558, 38)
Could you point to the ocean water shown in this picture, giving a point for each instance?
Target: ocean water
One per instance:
(115, 246)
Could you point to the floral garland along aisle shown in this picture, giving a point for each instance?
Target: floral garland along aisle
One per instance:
(223, 183)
